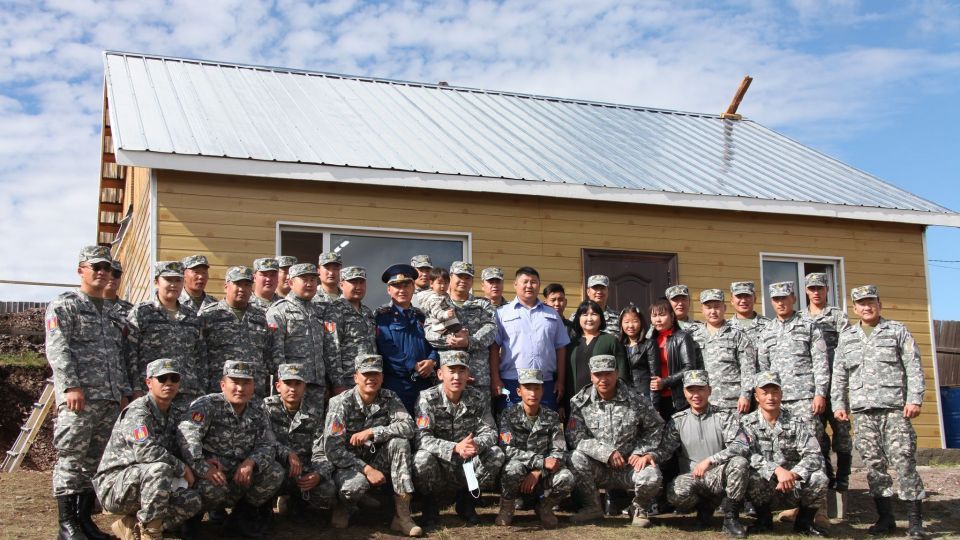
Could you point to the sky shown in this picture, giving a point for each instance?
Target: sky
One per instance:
(875, 84)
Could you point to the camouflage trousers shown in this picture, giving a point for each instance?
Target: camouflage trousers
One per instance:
(263, 486)
(839, 438)
(592, 475)
(392, 459)
(80, 438)
(885, 438)
(432, 475)
(560, 483)
(321, 497)
(727, 480)
(763, 491)
(148, 490)
(801, 409)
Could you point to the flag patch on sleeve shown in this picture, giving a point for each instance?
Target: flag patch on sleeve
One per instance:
(197, 416)
(330, 326)
(423, 422)
(52, 324)
(336, 428)
(140, 433)
(506, 437)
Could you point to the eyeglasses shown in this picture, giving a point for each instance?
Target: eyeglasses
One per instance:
(100, 267)
(172, 377)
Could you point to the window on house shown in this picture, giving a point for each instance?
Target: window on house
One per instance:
(373, 249)
(780, 267)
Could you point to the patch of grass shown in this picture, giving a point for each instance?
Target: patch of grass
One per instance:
(24, 359)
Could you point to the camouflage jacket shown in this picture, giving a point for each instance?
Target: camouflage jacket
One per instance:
(264, 304)
(831, 322)
(878, 372)
(211, 428)
(323, 298)
(84, 347)
(293, 431)
(754, 330)
(143, 434)
(205, 300)
(441, 424)
(788, 443)
(796, 350)
(627, 424)
(298, 339)
(477, 316)
(227, 338)
(730, 359)
(699, 436)
(531, 443)
(121, 306)
(349, 333)
(151, 334)
(347, 415)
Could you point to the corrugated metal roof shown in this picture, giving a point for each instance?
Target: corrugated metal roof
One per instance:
(193, 107)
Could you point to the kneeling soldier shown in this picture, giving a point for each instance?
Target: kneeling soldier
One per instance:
(614, 434)
(141, 477)
(532, 438)
(227, 440)
(709, 470)
(367, 438)
(456, 436)
(785, 459)
(296, 428)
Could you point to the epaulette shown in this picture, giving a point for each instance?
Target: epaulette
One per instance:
(679, 414)
(385, 308)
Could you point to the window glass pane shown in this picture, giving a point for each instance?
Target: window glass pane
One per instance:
(775, 272)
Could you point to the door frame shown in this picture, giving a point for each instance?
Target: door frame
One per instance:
(639, 256)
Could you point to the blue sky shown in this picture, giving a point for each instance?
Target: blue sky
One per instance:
(873, 83)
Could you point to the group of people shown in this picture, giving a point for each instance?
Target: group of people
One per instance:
(291, 394)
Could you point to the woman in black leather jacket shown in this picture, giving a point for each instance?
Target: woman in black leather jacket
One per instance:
(672, 353)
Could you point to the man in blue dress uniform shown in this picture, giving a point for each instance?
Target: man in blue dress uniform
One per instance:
(409, 362)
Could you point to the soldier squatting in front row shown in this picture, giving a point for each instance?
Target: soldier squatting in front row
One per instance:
(175, 453)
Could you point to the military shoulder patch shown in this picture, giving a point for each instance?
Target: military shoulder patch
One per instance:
(330, 326)
(272, 326)
(140, 433)
(197, 416)
(52, 324)
(423, 421)
(506, 437)
(336, 428)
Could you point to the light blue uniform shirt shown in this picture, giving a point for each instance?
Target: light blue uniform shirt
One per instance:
(529, 338)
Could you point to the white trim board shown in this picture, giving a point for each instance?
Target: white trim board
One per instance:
(389, 232)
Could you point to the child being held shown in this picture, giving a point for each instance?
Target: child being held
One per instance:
(436, 304)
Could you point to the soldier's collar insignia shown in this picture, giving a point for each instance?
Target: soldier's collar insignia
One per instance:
(197, 416)
(423, 421)
(140, 433)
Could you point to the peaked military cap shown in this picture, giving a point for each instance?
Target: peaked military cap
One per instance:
(529, 376)
(168, 269)
(765, 378)
(290, 372)
(162, 366)
(696, 377)
(453, 358)
(461, 267)
(329, 257)
(780, 289)
(711, 295)
(491, 272)
(603, 362)
(677, 290)
(598, 280)
(95, 254)
(239, 273)
(353, 272)
(816, 279)
(116, 266)
(864, 291)
(265, 264)
(399, 273)
(302, 269)
(238, 369)
(369, 363)
(286, 261)
(194, 261)
(742, 287)
(421, 261)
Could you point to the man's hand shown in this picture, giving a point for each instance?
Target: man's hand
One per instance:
(75, 399)
(424, 368)
(702, 468)
(819, 405)
(656, 384)
(843, 415)
(911, 410)
(641, 462)
(743, 405)
(466, 448)
(360, 437)
(374, 476)
(616, 460)
(189, 476)
(295, 466)
(308, 481)
(244, 474)
(460, 340)
(124, 402)
(215, 473)
(786, 480)
(530, 482)
(558, 385)
(551, 464)
(496, 385)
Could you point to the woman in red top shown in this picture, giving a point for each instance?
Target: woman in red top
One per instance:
(674, 354)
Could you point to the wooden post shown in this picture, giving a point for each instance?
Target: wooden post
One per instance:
(731, 113)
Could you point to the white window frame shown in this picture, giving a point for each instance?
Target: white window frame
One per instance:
(801, 259)
(326, 229)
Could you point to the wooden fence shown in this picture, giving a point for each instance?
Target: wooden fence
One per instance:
(17, 307)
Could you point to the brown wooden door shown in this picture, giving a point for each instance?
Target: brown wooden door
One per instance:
(638, 277)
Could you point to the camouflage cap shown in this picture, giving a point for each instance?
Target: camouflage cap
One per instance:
(765, 378)
(743, 287)
(711, 295)
(290, 372)
(330, 257)
(460, 267)
(598, 280)
(116, 266)
(368, 363)
(603, 362)
(780, 289)
(353, 272)
(162, 366)
(677, 290)
(864, 291)
(286, 261)
(491, 272)
(529, 376)
(265, 264)
(194, 261)
(302, 269)
(816, 279)
(453, 358)
(238, 273)
(421, 261)
(238, 369)
(95, 254)
(696, 377)
(168, 269)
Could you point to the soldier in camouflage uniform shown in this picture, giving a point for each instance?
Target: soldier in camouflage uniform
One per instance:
(455, 430)
(328, 268)
(284, 262)
(83, 347)
(166, 328)
(491, 279)
(422, 264)
(110, 292)
(679, 297)
(298, 336)
(141, 476)
(613, 434)
(227, 440)
(235, 329)
(877, 375)
(786, 467)
(350, 328)
(729, 356)
(195, 275)
(743, 298)
(367, 437)
(708, 467)
(532, 439)
(309, 480)
(831, 320)
(598, 290)
(265, 279)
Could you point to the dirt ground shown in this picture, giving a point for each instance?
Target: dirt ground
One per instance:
(20, 387)
(27, 510)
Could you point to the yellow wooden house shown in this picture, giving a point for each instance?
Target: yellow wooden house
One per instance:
(238, 162)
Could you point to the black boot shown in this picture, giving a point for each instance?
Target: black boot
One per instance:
(264, 518)
(731, 519)
(886, 523)
(430, 515)
(85, 502)
(844, 461)
(704, 514)
(69, 523)
(466, 508)
(828, 468)
(915, 517)
(805, 525)
(764, 522)
(243, 521)
(191, 528)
